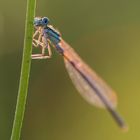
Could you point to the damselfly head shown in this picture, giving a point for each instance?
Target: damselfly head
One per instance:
(38, 21)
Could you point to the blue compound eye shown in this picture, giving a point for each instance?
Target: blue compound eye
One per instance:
(37, 22)
(45, 21)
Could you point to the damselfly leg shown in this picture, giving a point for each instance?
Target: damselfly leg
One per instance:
(42, 42)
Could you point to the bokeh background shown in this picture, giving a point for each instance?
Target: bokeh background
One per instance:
(106, 34)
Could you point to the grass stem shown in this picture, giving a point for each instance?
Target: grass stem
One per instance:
(25, 71)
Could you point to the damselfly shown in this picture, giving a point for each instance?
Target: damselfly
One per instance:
(88, 83)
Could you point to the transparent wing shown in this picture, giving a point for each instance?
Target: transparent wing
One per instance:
(89, 85)
(87, 92)
(81, 75)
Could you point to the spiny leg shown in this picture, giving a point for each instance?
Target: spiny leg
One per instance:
(44, 44)
(36, 41)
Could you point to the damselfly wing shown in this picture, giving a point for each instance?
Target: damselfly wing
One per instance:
(74, 62)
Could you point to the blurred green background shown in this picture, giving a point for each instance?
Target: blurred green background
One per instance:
(106, 34)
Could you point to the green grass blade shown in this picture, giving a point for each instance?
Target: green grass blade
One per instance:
(25, 71)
